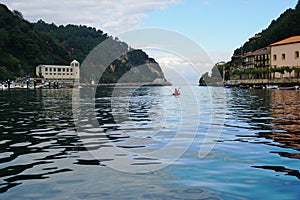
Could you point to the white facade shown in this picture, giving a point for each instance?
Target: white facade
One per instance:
(59, 73)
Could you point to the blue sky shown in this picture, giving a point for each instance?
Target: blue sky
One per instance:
(218, 26)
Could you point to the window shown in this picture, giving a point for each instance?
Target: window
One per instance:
(50, 69)
(46, 69)
(274, 57)
(59, 69)
(283, 56)
(296, 54)
(54, 69)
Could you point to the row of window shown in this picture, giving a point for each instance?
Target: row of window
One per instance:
(59, 74)
(283, 56)
(58, 69)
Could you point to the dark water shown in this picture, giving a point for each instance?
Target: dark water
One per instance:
(42, 156)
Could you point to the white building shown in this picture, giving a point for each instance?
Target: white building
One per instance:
(59, 73)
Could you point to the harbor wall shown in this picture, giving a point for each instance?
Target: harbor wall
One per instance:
(286, 81)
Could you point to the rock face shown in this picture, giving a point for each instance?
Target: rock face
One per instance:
(134, 67)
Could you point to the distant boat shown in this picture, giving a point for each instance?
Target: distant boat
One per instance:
(258, 87)
(244, 86)
(20, 86)
(3, 86)
(288, 87)
(272, 86)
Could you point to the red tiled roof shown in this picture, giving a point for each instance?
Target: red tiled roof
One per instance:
(290, 40)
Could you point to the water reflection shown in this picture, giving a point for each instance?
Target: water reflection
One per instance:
(275, 114)
(285, 109)
(36, 129)
(128, 125)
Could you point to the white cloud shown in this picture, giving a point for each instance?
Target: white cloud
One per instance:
(218, 56)
(178, 70)
(206, 3)
(112, 16)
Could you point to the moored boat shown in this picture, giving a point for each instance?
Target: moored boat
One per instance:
(258, 87)
(3, 86)
(288, 87)
(272, 86)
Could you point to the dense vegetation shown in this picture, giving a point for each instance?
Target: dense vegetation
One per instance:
(77, 40)
(287, 25)
(22, 48)
(25, 45)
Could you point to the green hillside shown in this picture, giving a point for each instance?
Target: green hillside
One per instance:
(77, 40)
(25, 45)
(22, 48)
(287, 25)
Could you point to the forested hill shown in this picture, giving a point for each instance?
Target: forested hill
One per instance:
(77, 40)
(287, 25)
(25, 45)
(22, 48)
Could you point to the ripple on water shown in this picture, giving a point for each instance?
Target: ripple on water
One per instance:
(43, 157)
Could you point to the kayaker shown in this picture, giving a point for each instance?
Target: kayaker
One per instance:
(176, 92)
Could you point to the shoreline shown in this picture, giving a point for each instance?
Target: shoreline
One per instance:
(263, 82)
(120, 84)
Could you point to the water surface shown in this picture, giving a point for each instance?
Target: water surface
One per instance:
(42, 156)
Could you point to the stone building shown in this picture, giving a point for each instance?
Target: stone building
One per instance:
(285, 53)
(59, 73)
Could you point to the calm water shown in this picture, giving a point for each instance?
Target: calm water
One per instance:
(42, 156)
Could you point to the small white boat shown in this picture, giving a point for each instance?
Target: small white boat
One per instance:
(288, 87)
(3, 86)
(272, 86)
(258, 87)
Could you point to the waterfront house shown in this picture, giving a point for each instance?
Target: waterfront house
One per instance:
(59, 73)
(258, 61)
(285, 55)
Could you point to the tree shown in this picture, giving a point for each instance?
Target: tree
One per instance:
(18, 14)
(273, 71)
(298, 5)
(289, 70)
(297, 72)
(281, 70)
